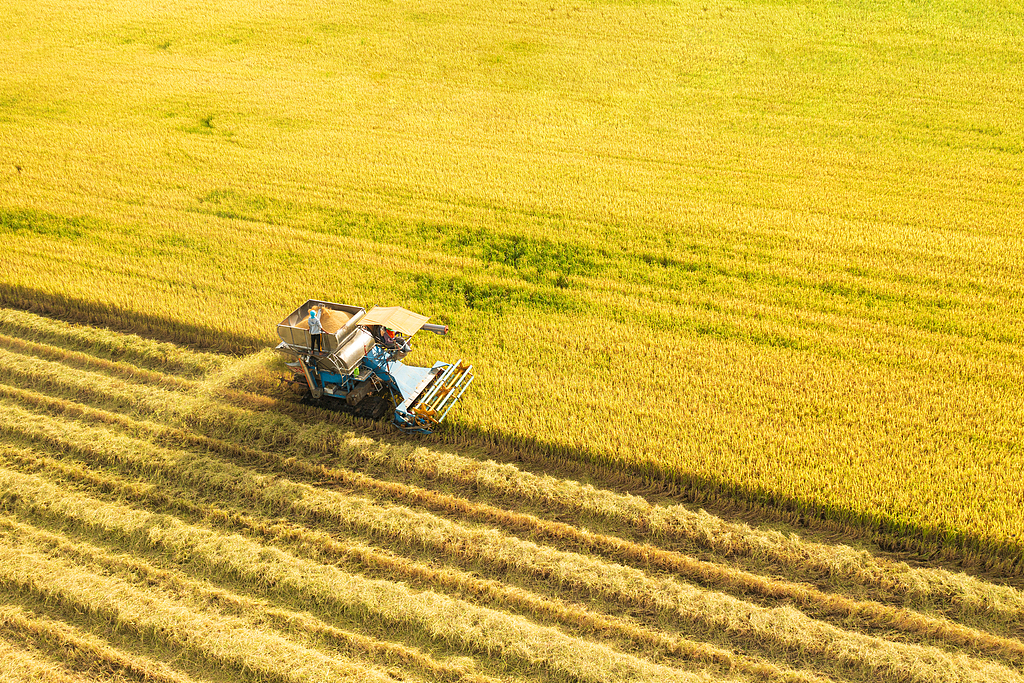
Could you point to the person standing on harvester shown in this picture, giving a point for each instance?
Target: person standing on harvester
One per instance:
(314, 331)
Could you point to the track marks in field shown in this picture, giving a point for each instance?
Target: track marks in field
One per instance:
(396, 546)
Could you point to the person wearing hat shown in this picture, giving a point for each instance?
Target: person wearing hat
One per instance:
(315, 331)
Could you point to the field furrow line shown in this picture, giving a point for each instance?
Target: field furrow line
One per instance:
(287, 622)
(820, 604)
(110, 345)
(688, 604)
(321, 546)
(270, 569)
(80, 651)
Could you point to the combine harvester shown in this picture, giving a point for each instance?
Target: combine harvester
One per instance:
(359, 368)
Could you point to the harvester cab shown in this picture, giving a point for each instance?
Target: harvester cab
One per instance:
(358, 367)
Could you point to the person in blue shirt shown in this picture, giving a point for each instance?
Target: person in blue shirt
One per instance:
(315, 331)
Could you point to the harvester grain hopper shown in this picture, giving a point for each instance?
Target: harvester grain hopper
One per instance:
(358, 368)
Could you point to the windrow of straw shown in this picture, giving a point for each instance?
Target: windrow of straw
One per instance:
(45, 375)
(101, 343)
(167, 395)
(89, 362)
(839, 565)
(78, 650)
(154, 614)
(707, 573)
(294, 623)
(274, 571)
(18, 665)
(324, 547)
(625, 585)
(933, 589)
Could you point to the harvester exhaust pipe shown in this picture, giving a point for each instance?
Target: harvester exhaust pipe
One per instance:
(436, 329)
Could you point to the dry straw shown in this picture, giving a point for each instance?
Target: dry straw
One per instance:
(76, 649)
(325, 547)
(871, 613)
(293, 623)
(19, 665)
(240, 431)
(105, 344)
(271, 570)
(151, 613)
(957, 594)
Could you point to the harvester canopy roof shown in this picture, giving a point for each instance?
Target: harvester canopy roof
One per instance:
(395, 318)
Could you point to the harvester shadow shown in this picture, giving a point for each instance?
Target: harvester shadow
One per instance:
(933, 545)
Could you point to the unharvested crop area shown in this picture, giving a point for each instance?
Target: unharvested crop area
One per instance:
(761, 257)
(162, 521)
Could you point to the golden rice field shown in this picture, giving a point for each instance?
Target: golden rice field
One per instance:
(758, 257)
(767, 252)
(166, 515)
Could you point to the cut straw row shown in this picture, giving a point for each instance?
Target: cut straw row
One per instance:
(18, 665)
(284, 620)
(78, 650)
(325, 547)
(958, 594)
(274, 571)
(111, 345)
(872, 613)
(155, 614)
(955, 594)
(89, 362)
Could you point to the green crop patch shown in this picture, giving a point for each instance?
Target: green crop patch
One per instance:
(29, 222)
(530, 258)
(228, 203)
(455, 293)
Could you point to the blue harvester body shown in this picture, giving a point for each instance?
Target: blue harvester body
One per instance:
(358, 368)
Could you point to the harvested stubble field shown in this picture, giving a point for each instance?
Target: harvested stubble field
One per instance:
(165, 516)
